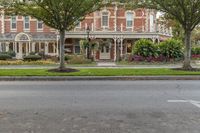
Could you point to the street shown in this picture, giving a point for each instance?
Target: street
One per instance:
(100, 107)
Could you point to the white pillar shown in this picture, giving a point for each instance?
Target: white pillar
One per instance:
(39, 46)
(121, 48)
(7, 46)
(115, 49)
(27, 49)
(33, 47)
(20, 50)
(15, 47)
(46, 50)
(0, 47)
(54, 48)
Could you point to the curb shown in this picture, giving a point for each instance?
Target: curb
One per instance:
(90, 78)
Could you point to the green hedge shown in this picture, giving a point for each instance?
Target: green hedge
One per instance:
(32, 58)
(5, 56)
(196, 51)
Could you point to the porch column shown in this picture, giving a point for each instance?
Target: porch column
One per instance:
(54, 47)
(39, 46)
(121, 52)
(33, 47)
(7, 46)
(20, 50)
(15, 47)
(115, 48)
(57, 50)
(0, 47)
(27, 49)
(46, 51)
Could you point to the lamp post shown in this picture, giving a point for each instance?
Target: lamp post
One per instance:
(88, 39)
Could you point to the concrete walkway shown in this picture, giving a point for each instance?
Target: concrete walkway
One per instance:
(101, 65)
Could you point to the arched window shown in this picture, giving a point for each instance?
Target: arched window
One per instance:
(105, 19)
(129, 19)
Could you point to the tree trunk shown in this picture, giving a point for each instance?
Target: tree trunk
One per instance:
(62, 47)
(187, 53)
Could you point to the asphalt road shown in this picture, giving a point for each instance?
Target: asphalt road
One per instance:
(100, 107)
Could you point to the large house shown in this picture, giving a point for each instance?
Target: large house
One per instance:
(116, 27)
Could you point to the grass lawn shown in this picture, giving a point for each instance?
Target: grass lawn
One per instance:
(96, 72)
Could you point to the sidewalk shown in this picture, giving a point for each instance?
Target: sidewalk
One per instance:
(93, 78)
(98, 66)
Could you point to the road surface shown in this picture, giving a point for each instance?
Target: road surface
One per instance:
(100, 107)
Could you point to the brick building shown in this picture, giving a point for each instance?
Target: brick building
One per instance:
(115, 28)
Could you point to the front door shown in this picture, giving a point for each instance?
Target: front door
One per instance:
(105, 53)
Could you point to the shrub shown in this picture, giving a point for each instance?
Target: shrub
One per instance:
(5, 56)
(196, 51)
(11, 53)
(171, 49)
(67, 57)
(145, 48)
(32, 58)
(79, 59)
(20, 62)
(138, 58)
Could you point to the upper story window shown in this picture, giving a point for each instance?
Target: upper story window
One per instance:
(39, 25)
(129, 19)
(26, 22)
(105, 19)
(13, 22)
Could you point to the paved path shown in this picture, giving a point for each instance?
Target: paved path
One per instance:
(100, 107)
(100, 66)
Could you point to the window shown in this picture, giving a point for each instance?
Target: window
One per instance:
(105, 19)
(129, 19)
(26, 22)
(13, 22)
(40, 25)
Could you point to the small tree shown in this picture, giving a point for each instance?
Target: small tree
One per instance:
(62, 15)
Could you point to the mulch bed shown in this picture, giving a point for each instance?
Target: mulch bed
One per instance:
(66, 70)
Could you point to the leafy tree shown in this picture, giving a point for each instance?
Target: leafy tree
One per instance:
(185, 12)
(62, 15)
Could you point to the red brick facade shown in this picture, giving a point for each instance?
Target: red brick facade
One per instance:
(112, 24)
